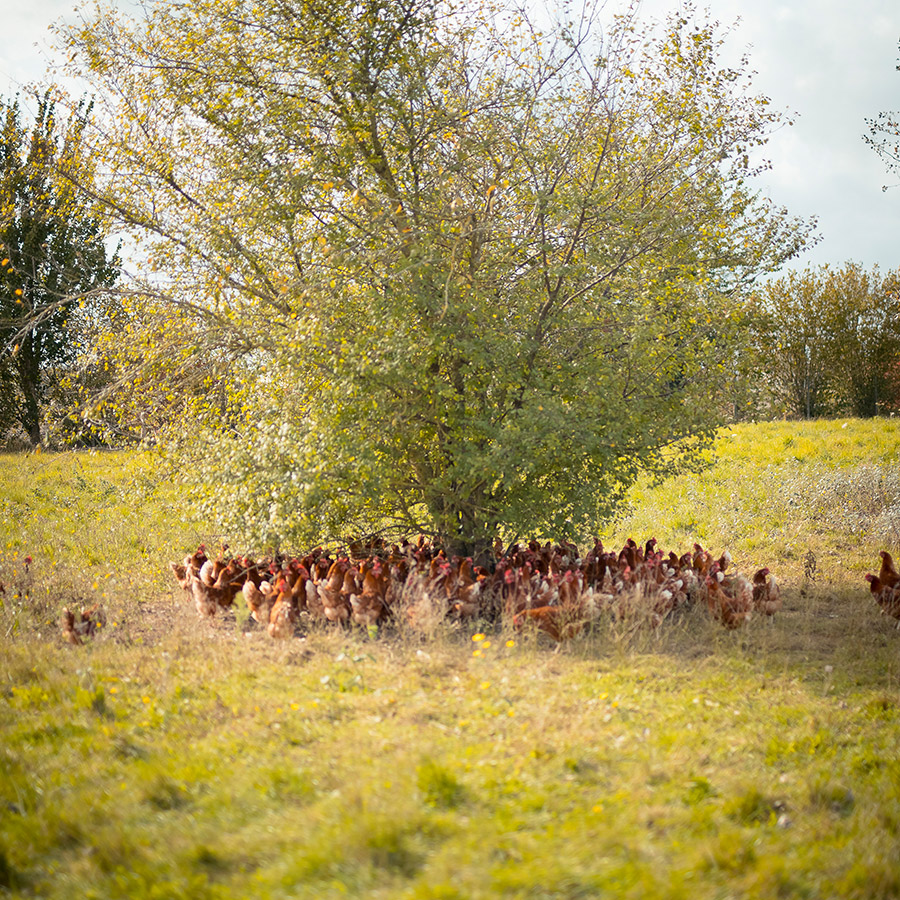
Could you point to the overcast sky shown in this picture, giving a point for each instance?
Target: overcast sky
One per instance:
(831, 62)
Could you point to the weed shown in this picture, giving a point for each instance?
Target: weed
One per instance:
(438, 786)
(166, 793)
(699, 790)
(753, 808)
(9, 878)
(836, 798)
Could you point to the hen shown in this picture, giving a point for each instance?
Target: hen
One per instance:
(888, 598)
(560, 622)
(766, 594)
(730, 601)
(368, 606)
(259, 600)
(84, 624)
(283, 615)
(888, 575)
(335, 604)
(468, 591)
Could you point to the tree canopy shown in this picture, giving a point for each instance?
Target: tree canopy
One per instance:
(470, 272)
(53, 257)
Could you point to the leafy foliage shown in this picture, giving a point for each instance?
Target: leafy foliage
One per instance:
(477, 276)
(830, 340)
(54, 263)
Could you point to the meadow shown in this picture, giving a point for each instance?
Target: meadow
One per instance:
(174, 758)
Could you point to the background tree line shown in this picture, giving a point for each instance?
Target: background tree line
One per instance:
(820, 342)
(55, 267)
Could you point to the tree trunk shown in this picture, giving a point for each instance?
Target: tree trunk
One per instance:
(29, 383)
(463, 531)
(31, 415)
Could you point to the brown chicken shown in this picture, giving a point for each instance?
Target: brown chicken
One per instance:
(730, 601)
(283, 615)
(369, 607)
(570, 590)
(85, 624)
(67, 624)
(516, 589)
(888, 598)
(299, 586)
(560, 622)
(468, 591)
(259, 600)
(335, 605)
(888, 575)
(766, 594)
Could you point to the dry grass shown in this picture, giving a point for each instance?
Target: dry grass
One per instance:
(174, 758)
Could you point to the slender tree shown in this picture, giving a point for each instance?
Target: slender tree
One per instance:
(54, 256)
(884, 138)
(483, 272)
(794, 343)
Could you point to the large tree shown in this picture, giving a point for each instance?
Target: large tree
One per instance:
(53, 254)
(483, 271)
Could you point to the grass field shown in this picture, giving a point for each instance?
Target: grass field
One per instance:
(173, 758)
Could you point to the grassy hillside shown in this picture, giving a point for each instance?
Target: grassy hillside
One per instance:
(171, 758)
(780, 491)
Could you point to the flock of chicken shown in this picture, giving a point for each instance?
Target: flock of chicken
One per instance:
(551, 586)
(885, 587)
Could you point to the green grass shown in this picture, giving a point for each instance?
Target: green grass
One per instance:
(780, 491)
(172, 758)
